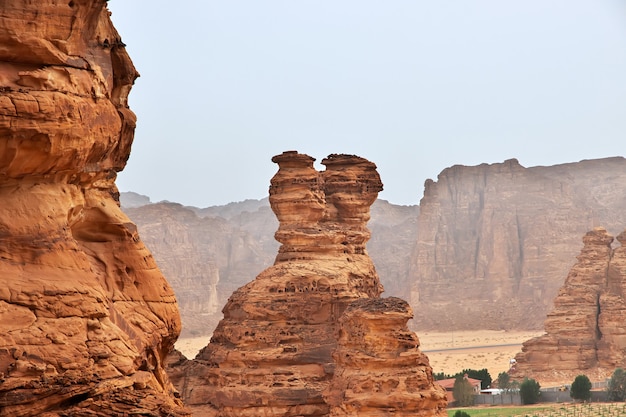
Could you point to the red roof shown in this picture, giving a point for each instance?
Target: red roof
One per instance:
(448, 384)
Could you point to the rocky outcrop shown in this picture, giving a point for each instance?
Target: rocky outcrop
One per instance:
(495, 241)
(380, 370)
(208, 253)
(86, 318)
(271, 354)
(584, 334)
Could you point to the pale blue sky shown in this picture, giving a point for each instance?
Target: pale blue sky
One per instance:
(414, 86)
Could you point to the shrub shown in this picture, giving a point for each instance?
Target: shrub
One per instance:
(529, 391)
(617, 385)
(581, 388)
(460, 413)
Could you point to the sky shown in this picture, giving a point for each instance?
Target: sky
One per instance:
(414, 86)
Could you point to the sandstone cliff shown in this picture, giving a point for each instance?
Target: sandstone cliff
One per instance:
(584, 332)
(86, 318)
(495, 241)
(208, 253)
(271, 353)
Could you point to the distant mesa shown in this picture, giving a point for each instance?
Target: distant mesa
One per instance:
(281, 342)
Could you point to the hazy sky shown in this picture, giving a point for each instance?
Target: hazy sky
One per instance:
(414, 86)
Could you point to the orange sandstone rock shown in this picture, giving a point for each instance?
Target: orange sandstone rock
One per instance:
(380, 370)
(583, 331)
(86, 317)
(271, 354)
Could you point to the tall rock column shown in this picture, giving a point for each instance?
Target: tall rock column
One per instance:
(584, 332)
(86, 317)
(271, 353)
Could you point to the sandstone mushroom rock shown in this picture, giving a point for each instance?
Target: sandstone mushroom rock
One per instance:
(86, 317)
(583, 331)
(271, 354)
(380, 370)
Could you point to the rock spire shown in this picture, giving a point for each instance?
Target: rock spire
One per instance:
(583, 331)
(271, 354)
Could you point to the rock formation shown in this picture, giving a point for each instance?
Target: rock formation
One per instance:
(584, 332)
(271, 353)
(86, 318)
(208, 253)
(380, 370)
(495, 242)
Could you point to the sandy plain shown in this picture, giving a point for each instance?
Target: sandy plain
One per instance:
(448, 352)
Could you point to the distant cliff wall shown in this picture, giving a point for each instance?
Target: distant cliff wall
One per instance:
(495, 242)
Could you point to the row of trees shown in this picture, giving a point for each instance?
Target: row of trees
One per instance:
(580, 389)
(529, 389)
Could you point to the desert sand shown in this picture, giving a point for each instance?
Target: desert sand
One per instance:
(448, 352)
(477, 349)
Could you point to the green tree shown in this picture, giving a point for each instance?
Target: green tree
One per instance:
(440, 375)
(463, 392)
(581, 388)
(504, 381)
(482, 374)
(529, 391)
(460, 413)
(617, 385)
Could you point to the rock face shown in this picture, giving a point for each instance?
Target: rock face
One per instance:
(86, 318)
(271, 354)
(208, 253)
(495, 242)
(380, 370)
(584, 332)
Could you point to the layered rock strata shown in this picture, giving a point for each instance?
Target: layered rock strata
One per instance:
(380, 370)
(271, 354)
(584, 332)
(86, 317)
(495, 242)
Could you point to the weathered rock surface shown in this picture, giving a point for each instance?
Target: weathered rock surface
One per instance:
(380, 370)
(208, 253)
(584, 331)
(271, 353)
(495, 241)
(86, 317)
